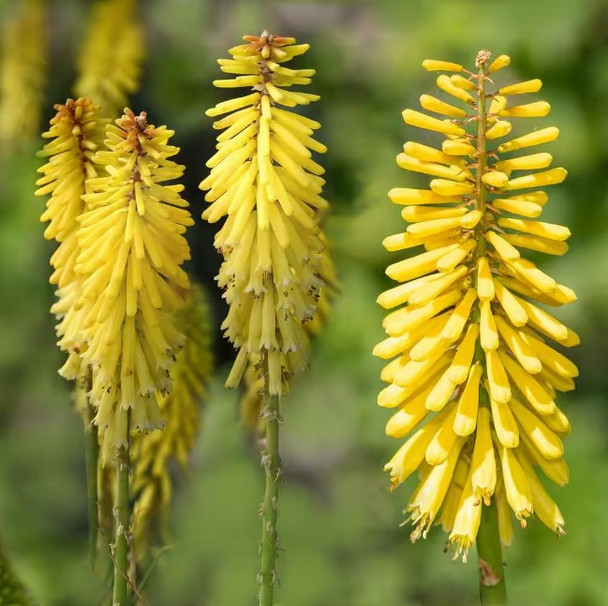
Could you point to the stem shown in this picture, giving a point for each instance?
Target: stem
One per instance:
(91, 447)
(492, 586)
(120, 595)
(269, 508)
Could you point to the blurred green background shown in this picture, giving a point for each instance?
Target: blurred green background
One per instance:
(338, 522)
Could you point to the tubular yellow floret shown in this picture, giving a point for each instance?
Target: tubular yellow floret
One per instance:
(264, 180)
(131, 248)
(110, 62)
(467, 364)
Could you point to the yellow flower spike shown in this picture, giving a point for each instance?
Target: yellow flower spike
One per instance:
(264, 180)
(500, 128)
(75, 133)
(498, 63)
(433, 65)
(131, 248)
(109, 69)
(543, 135)
(154, 453)
(466, 351)
(22, 73)
(466, 521)
(433, 104)
(483, 463)
(465, 420)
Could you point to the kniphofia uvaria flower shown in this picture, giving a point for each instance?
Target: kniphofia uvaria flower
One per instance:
(75, 133)
(131, 248)
(265, 182)
(22, 73)
(109, 66)
(474, 368)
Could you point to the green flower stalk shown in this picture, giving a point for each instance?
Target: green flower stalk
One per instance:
(473, 375)
(22, 74)
(110, 63)
(265, 182)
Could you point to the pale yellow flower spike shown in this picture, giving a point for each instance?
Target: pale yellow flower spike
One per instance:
(75, 133)
(154, 452)
(22, 74)
(109, 66)
(471, 373)
(131, 248)
(264, 180)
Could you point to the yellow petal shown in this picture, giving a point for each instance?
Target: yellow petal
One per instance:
(517, 490)
(550, 247)
(433, 65)
(519, 347)
(453, 329)
(429, 168)
(429, 154)
(548, 444)
(518, 207)
(459, 368)
(452, 258)
(483, 463)
(461, 82)
(404, 195)
(498, 63)
(465, 420)
(531, 389)
(529, 86)
(500, 390)
(552, 231)
(445, 84)
(488, 335)
(499, 129)
(414, 118)
(445, 187)
(417, 266)
(485, 283)
(504, 424)
(537, 137)
(458, 147)
(537, 109)
(433, 104)
(505, 251)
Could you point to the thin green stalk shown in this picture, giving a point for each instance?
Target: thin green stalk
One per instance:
(269, 508)
(120, 595)
(492, 586)
(91, 446)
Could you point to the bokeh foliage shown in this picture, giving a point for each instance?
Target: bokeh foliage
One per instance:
(338, 523)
